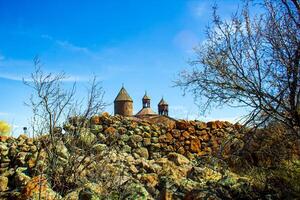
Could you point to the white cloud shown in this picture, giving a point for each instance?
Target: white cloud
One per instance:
(200, 9)
(182, 112)
(71, 47)
(186, 40)
(66, 44)
(45, 36)
(3, 114)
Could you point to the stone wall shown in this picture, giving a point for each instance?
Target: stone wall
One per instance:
(189, 138)
(156, 160)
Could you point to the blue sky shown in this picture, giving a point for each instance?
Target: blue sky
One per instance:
(143, 44)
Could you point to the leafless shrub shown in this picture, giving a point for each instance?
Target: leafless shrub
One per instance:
(52, 104)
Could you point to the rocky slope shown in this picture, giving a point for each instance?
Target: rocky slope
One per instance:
(112, 157)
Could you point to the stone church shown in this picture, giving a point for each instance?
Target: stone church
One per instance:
(123, 105)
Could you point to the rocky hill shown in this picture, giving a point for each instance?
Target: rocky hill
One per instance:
(112, 157)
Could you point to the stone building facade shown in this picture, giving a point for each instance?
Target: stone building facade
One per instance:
(123, 105)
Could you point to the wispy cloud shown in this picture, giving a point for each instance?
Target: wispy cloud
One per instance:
(186, 40)
(3, 114)
(66, 44)
(199, 9)
(182, 112)
(71, 47)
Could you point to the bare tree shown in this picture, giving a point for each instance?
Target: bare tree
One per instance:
(50, 101)
(251, 61)
(52, 104)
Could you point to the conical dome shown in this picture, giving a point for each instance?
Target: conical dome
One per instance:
(146, 97)
(162, 102)
(123, 96)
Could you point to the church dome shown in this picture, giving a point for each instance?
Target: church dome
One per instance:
(123, 95)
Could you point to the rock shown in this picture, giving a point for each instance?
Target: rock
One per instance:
(122, 130)
(166, 138)
(186, 134)
(95, 120)
(154, 140)
(212, 125)
(135, 191)
(147, 135)
(126, 148)
(142, 152)
(101, 137)
(38, 188)
(135, 141)
(136, 138)
(176, 133)
(150, 179)
(99, 148)
(147, 141)
(96, 128)
(3, 147)
(200, 126)
(181, 150)
(204, 136)
(182, 125)
(62, 150)
(22, 137)
(3, 183)
(133, 169)
(166, 194)
(204, 174)
(21, 158)
(20, 178)
(111, 134)
(86, 138)
(87, 194)
(199, 194)
(124, 138)
(195, 146)
(3, 138)
(178, 159)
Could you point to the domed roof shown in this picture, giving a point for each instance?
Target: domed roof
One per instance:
(123, 96)
(146, 97)
(162, 102)
(146, 111)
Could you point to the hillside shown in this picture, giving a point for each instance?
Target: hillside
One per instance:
(114, 157)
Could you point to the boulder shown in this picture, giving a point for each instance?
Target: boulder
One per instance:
(135, 191)
(3, 183)
(150, 179)
(20, 178)
(86, 138)
(178, 159)
(142, 152)
(200, 174)
(38, 188)
(182, 125)
(195, 145)
(99, 148)
(62, 150)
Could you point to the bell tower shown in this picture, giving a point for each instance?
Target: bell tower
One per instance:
(163, 107)
(146, 101)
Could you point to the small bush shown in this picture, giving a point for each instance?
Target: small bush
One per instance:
(4, 128)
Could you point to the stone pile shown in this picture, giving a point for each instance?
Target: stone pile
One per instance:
(150, 141)
(127, 158)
